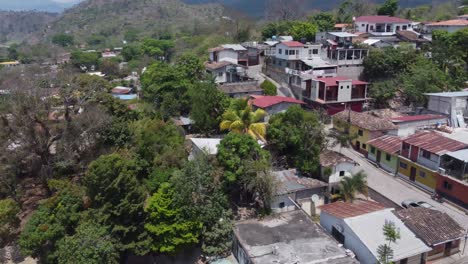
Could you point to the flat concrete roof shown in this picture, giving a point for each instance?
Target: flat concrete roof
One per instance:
(289, 238)
(449, 94)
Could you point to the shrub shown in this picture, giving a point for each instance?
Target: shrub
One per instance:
(268, 88)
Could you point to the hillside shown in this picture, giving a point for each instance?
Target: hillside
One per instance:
(113, 19)
(16, 26)
(39, 5)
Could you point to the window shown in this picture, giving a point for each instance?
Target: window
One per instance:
(360, 132)
(220, 74)
(372, 28)
(406, 146)
(422, 174)
(287, 64)
(342, 173)
(404, 261)
(280, 51)
(403, 165)
(405, 27)
(315, 51)
(388, 157)
(281, 205)
(364, 146)
(447, 185)
(298, 80)
(426, 154)
(372, 149)
(347, 87)
(341, 87)
(362, 25)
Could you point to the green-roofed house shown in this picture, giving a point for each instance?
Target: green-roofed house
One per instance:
(384, 152)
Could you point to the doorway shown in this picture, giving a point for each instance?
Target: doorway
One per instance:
(413, 174)
(358, 145)
(338, 236)
(379, 155)
(448, 249)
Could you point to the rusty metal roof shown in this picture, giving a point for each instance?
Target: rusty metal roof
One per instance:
(358, 207)
(366, 121)
(389, 144)
(434, 142)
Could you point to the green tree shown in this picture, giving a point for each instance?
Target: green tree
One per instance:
(241, 118)
(350, 186)
(86, 59)
(52, 221)
(160, 49)
(324, 21)
(115, 191)
(268, 88)
(191, 66)
(388, 8)
(166, 223)
(131, 52)
(208, 105)
(63, 40)
(298, 137)
(382, 92)
(235, 151)
(91, 244)
(9, 220)
(391, 234)
(217, 238)
(386, 63)
(303, 30)
(13, 53)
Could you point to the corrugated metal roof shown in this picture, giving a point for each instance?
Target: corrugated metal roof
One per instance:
(267, 101)
(293, 44)
(358, 207)
(289, 182)
(434, 142)
(342, 34)
(235, 47)
(389, 144)
(417, 118)
(449, 94)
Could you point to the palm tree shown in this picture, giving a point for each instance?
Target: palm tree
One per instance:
(241, 118)
(350, 186)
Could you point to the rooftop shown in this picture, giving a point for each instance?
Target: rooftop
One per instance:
(461, 155)
(333, 81)
(343, 25)
(382, 19)
(235, 47)
(358, 207)
(121, 90)
(182, 121)
(387, 143)
(366, 121)
(414, 118)
(209, 145)
(434, 142)
(432, 226)
(289, 182)
(368, 228)
(330, 158)
(289, 238)
(262, 101)
(452, 22)
(318, 63)
(342, 34)
(293, 44)
(240, 88)
(449, 94)
(411, 36)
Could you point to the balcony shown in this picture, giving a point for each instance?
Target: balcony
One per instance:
(347, 56)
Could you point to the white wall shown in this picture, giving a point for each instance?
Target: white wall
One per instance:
(228, 55)
(409, 128)
(449, 29)
(361, 26)
(283, 56)
(288, 204)
(344, 90)
(220, 78)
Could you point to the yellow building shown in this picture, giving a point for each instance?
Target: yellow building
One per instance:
(9, 63)
(363, 126)
(417, 173)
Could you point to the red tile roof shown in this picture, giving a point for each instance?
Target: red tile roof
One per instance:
(293, 44)
(366, 121)
(389, 144)
(434, 142)
(382, 19)
(333, 81)
(417, 118)
(267, 101)
(343, 25)
(345, 210)
(453, 22)
(121, 90)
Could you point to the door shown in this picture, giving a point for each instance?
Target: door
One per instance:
(367, 28)
(338, 236)
(379, 154)
(448, 248)
(358, 145)
(413, 174)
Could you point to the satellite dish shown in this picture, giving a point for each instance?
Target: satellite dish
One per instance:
(315, 198)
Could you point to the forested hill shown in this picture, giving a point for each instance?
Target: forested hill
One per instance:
(112, 19)
(16, 26)
(256, 8)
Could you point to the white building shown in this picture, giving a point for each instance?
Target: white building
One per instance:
(333, 167)
(207, 146)
(381, 25)
(452, 104)
(233, 53)
(450, 26)
(359, 227)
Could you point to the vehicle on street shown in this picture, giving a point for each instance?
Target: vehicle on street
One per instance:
(412, 203)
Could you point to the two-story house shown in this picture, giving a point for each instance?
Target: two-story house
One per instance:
(226, 72)
(381, 25)
(234, 53)
(333, 94)
(420, 157)
(452, 180)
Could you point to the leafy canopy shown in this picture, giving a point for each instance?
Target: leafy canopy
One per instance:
(241, 118)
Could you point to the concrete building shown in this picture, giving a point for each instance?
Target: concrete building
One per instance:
(273, 104)
(226, 72)
(306, 192)
(452, 104)
(408, 125)
(450, 26)
(420, 157)
(290, 237)
(452, 181)
(437, 229)
(384, 152)
(333, 167)
(358, 226)
(381, 25)
(233, 53)
(334, 94)
(364, 125)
